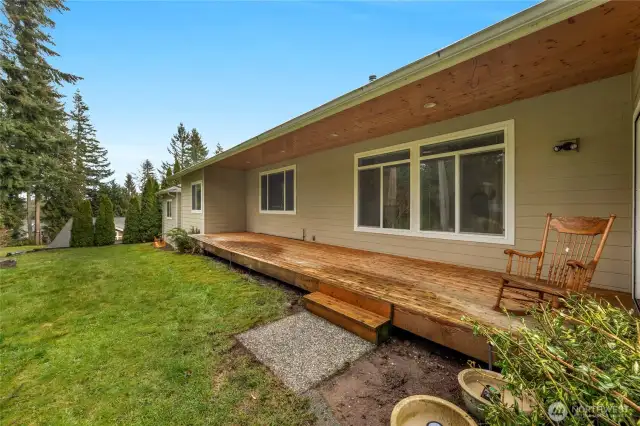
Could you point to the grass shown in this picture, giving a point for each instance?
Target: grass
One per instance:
(5, 250)
(130, 334)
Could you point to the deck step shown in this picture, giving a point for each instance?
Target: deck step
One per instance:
(366, 324)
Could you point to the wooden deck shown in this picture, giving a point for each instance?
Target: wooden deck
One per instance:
(423, 297)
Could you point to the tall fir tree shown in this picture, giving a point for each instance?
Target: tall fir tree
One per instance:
(168, 178)
(179, 146)
(82, 226)
(91, 157)
(35, 147)
(146, 172)
(162, 173)
(219, 149)
(176, 166)
(131, 234)
(105, 229)
(196, 148)
(130, 186)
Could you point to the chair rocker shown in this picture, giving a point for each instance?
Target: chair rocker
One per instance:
(571, 267)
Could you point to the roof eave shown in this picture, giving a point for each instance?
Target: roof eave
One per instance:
(517, 26)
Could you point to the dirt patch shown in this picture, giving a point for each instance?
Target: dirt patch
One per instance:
(366, 393)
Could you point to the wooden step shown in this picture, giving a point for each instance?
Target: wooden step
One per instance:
(366, 324)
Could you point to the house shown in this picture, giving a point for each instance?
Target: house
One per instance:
(452, 159)
(63, 238)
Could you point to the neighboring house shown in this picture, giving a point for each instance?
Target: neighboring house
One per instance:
(63, 239)
(171, 209)
(119, 223)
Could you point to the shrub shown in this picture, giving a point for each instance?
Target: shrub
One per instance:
(131, 233)
(586, 357)
(82, 226)
(105, 233)
(181, 241)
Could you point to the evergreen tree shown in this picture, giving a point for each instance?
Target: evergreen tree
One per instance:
(179, 145)
(89, 154)
(162, 172)
(146, 172)
(168, 177)
(150, 212)
(219, 149)
(35, 147)
(131, 234)
(196, 149)
(130, 186)
(82, 226)
(105, 233)
(117, 195)
(176, 166)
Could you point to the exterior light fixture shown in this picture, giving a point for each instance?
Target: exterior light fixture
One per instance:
(568, 145)
(333, 135)
(429, 105)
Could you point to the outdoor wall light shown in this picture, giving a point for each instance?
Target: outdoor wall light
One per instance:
(430, 105)
(568, 145)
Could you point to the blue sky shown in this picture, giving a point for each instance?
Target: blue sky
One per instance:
(235, 69)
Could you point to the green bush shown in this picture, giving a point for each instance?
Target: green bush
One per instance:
(181, 241)
(105, 233)
(82, 226)
(585, 358)
(131, 233)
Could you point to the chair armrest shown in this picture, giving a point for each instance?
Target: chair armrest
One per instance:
(511, 252)
(576, 264)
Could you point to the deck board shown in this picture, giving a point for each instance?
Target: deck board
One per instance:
(439, 292)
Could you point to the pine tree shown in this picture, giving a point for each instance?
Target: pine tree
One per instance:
(219, 149)
(196, 149)
(130, 186)
(105, 231)
(131, 234)
(146, 172)
(82, 226)
(178, 146)
(176, 167)
(35, 148)
(89, 153)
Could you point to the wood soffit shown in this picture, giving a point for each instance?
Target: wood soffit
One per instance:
(600, 43)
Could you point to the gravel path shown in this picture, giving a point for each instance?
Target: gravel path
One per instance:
(304, 349)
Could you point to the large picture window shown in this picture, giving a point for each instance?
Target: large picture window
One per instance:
(278, 191)
(456, 186)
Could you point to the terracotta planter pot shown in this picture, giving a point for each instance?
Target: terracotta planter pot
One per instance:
(473, 381)
(421, 410)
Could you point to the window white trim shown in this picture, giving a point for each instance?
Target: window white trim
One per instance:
(194, 183)
(169, 208)
(295, 191)
(508, 127)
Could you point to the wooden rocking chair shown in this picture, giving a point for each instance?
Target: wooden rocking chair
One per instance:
(570, 269)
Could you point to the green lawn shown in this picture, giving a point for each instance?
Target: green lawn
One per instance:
(5, 250)
(130, 334)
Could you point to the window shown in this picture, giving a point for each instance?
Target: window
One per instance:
(457, 186)
(169, 211)
(196, 197)
(278, 191)
(384, 190)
